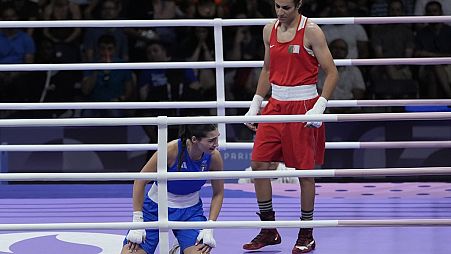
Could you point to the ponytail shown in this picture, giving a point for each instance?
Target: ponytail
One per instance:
(183, 137)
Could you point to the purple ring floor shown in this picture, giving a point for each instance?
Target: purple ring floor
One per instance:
(112, 203)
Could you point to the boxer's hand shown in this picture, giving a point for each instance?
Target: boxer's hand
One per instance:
(318, 109)
(254, 109)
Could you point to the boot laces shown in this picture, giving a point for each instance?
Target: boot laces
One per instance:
(304, 238)
(262, 236)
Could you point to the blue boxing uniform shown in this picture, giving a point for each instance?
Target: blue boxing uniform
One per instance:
(183, 201)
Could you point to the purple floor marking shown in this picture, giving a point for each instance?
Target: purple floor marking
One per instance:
(240, 204)
(49, 244)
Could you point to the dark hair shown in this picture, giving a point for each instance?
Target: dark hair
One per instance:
(187, 131)
(298, 5)
(160, 43)
(106, 39)
(430, 3)
(396, 1)
(7, 6)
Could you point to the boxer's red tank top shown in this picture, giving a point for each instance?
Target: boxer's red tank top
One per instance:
(290, 63)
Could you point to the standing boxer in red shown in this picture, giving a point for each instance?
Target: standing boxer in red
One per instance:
(295, 48)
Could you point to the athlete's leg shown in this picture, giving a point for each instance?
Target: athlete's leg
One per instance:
(305, 242)
(197, 249)
(307, 193)
(126, 250)
(263, 187)
(263, 190)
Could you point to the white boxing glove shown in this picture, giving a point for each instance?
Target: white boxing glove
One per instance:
(137, 235)
(317, 109)
(256, 104)
(206, 237)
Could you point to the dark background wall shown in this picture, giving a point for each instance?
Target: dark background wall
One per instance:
(235, 159)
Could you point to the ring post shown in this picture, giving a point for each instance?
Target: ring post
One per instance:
(3, 163)
(162, 168)
(220, 86)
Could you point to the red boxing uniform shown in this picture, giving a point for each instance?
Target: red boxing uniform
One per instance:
(291, 66)
(290, 63)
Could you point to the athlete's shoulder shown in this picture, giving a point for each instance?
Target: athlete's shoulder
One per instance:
(313, 32)
(173, 148)
(269, 26)
(216, 153)
(311, 25)
(217, 163)
(268, 29)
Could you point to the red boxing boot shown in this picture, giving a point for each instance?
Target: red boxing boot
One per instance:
(267, 236)
(305, 242)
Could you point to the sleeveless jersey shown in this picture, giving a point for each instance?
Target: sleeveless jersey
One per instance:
(184, 187)
(290, 63)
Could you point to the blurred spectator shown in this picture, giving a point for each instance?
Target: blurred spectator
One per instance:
(392, 41)
(66, 40)
(107, 85)
(253, 8)
(55, 85)
(310, 8)
(208, 9)
(187, 8)
(350, 85)
(434, 41)
(109, 11)
(354, 35)
(200, 47)
(93, 8)
(25, 9)
(359, 8)
(165, 85)
(354, 8)
(16, 47)
(380, 8)
(166, 9)
(420, 6)
(240, 83)
(82, 4)
(242, 44)
(140, 36)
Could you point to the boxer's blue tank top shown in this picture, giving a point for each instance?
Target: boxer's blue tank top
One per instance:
(183, 187)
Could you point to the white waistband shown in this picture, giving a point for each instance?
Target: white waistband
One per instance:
(175, 201)
(294, 93)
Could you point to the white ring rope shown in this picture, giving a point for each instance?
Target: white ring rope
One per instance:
(158, 176)
(212, 64)
(223, 119)
(398, 61)
(235, 145)
(387, 103)
(217, 21)
(78, 147)
(210, 104)
(229, 224)
(355, 145)
(356, 62)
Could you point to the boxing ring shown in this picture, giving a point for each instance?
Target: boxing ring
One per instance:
(349, 217)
